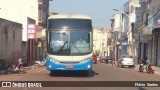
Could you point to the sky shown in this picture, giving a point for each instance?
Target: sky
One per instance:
(101, 11)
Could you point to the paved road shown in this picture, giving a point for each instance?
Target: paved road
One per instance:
(101, 72)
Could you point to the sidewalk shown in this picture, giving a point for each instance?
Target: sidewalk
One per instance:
(157, 69)
(36, 65)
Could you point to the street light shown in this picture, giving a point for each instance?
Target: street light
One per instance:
(121, 12)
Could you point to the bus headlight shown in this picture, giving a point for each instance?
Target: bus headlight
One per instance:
(53, 60)
(89, 66)
(85, 60)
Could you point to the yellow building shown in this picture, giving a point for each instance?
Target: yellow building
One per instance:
(100, 40)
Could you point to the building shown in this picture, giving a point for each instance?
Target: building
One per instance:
(139, 34)
(114, 34)
(147, 30)
(10, 40)
(33, 12)
(125, 40)
(100, 40)
(142, 30)
(153, 21)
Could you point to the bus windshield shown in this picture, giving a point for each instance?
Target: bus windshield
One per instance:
(69, 42)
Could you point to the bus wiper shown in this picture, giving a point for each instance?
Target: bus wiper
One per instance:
(61, 49)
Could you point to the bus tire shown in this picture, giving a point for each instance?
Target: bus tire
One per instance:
(51, 72)
(87, 73)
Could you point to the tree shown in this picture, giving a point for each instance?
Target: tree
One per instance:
(97, 52)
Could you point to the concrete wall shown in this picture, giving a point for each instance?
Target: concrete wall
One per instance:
(10, 40)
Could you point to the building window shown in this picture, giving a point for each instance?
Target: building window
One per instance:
(142, 17)
(6, 33)
(40, 7)
(147, 19)
(14, 34)
(40, 15)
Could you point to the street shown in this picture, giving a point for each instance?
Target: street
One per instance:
(70, 35)
(101, 72)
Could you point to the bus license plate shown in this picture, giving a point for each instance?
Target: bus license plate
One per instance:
(69, 66)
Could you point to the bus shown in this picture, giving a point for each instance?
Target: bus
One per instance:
(69, 43)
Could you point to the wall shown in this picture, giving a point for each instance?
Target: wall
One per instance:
(117, 22)
(97, 39)
(100, 40)
(10, 40)
(18, 11)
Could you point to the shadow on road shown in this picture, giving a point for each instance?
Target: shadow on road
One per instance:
(74, 74)
(127, 67)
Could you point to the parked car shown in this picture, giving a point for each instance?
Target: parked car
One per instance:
(108, 59)
(126, 60)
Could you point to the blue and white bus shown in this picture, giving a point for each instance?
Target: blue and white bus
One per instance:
(69, 43)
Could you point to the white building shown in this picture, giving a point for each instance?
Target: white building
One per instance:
(100, 40)
(17, 11)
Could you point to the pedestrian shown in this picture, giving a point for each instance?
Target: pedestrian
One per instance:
(94, 58)
(113, 61)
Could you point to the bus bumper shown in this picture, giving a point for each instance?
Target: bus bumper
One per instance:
(81, 66)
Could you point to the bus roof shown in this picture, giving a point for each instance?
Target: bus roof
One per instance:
(69, 16)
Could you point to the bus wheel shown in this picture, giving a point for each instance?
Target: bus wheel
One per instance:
(51, 73)
(87, 73)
